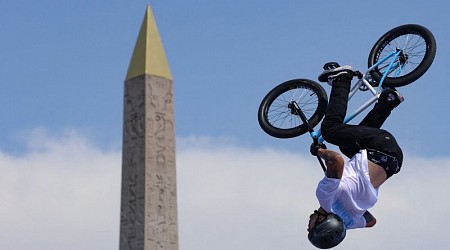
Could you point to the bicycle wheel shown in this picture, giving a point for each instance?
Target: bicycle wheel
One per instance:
(276, 117)
(417, 48)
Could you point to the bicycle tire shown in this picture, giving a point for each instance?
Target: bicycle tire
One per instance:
(418, 47)
(277, 119)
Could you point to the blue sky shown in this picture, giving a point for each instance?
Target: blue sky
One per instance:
(63, 64)
(62, 69)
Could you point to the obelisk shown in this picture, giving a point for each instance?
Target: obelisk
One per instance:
(148, 215)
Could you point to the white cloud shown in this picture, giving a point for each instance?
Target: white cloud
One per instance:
(233, 197)
(63, 193)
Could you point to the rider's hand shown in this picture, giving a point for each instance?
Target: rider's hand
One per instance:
(315, 147)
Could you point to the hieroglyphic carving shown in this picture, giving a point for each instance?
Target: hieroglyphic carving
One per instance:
(133, 167)
(163, 219)
(149, 209)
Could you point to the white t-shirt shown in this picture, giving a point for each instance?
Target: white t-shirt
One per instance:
(350, 196)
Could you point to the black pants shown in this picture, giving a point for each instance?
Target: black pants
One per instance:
(381, 145)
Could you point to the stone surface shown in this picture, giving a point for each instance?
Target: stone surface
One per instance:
(148, 215)
(149, 201)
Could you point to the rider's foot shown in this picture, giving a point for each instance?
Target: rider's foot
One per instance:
(391, 95)
(338, 73)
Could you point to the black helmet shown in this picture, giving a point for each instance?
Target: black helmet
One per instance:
(328, 233)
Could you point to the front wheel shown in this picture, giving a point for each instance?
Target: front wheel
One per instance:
(416, 47)
(276, 116)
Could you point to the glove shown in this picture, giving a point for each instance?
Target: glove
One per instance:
(315, 147)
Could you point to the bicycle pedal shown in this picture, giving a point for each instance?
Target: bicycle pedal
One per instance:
(331, 65)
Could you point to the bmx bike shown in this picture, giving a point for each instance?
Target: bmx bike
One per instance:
(401, 56)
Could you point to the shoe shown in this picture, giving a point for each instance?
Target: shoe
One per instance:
(391, 95)
(332, 72)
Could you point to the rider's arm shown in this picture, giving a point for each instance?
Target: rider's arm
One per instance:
(333, 161)
(370, 220)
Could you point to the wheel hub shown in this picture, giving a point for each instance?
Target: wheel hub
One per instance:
(293, 106)
(403, 58)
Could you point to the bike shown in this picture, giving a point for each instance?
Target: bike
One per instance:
(401, 56)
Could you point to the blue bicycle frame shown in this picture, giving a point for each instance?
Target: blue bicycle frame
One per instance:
(364, 80)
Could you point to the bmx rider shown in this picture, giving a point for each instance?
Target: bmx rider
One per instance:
(350, 188)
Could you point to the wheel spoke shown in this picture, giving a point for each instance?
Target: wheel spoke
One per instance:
(413, 48)
(280, 115)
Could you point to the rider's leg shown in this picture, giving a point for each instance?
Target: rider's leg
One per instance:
(388, 100)
(350, 138)
(340, 79)
(333, 128)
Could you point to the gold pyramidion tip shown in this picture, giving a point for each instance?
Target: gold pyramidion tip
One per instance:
(148, 55)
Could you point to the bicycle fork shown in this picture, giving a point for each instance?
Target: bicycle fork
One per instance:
(296, 110)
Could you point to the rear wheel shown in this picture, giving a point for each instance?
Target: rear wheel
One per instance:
(276, 115)
(416, 46)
